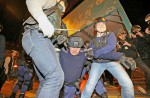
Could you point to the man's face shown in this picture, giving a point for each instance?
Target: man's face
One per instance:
(101, 27)
(74, 51)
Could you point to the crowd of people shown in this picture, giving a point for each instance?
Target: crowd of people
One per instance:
(61, 72)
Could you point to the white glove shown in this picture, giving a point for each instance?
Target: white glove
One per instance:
(45, 25)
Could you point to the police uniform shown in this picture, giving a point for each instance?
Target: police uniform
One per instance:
(114, 68)
(72, 66)
(25, 73)
(24, 78)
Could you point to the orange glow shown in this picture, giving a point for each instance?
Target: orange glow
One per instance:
(12, 10)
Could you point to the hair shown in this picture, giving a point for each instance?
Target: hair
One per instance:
(97, 20)
(136, 27)
(87, 41)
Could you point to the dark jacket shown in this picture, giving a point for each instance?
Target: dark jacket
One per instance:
(129, 51)
(143, 47)
(2, 49)
(107, 52)
(72, 65)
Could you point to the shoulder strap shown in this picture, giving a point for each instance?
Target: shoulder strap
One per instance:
(31, 21)
(103, 41)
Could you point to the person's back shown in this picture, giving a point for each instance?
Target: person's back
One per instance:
(2, 56)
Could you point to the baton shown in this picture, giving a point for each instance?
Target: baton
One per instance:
(67, 29)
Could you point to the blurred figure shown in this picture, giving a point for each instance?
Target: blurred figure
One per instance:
(142, 42)
(124, 46)
(87, 44)
(2, 56)
(24, 77)
(2, 46)
(130, 50)
(147, 19)
(147, 30)
(11, 66)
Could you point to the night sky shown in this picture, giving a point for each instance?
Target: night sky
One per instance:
(136, 11)
(12, 13)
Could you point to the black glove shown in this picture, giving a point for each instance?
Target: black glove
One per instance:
(128, 62)
(77, 83)
(98, 60)
(87, 65)
(61, 39)
(89, 54)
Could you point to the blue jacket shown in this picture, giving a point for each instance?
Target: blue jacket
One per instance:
(107, 52)
(72, 65)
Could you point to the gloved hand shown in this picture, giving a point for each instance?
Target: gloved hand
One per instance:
(89, 54)
(61, 39)
(87, 65)
(98, 60)
(128, 62)
(77, 83)
(45, 25)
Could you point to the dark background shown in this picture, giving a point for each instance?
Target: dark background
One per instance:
(12, 13)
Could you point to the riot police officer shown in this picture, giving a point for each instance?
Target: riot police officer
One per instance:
(38, 29)
(105, 42)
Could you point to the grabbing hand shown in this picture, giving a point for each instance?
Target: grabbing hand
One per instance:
(128, 62)
(77, 83)
(61, 39)
(89, 54)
